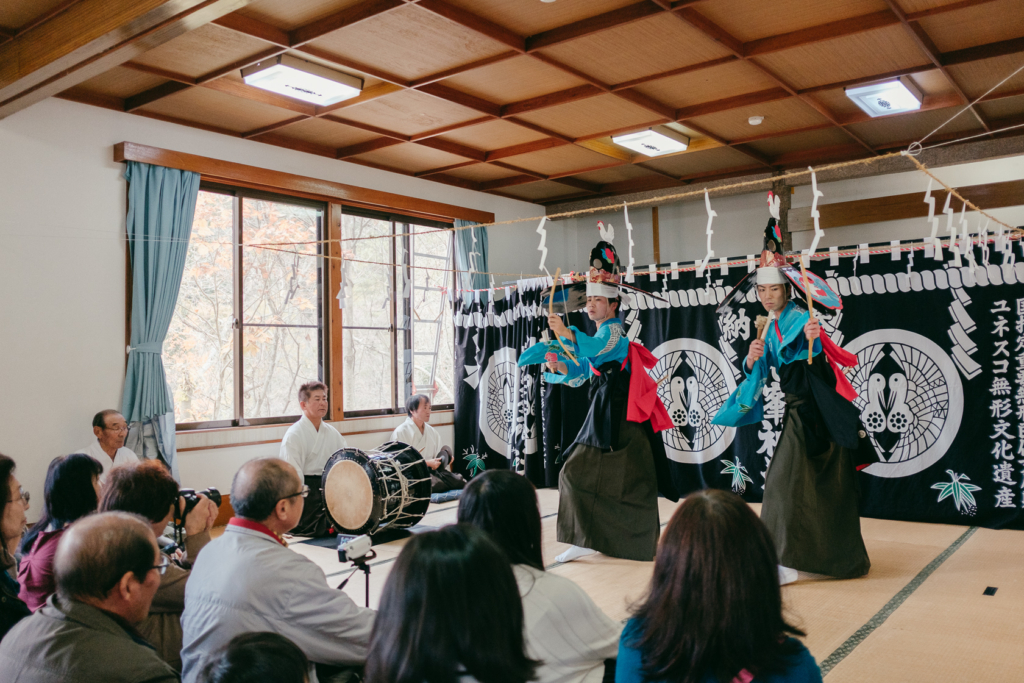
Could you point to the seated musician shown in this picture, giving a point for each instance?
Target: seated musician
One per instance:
(306, 446)
(417, 432)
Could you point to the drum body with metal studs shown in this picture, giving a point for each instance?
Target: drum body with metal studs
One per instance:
(365, 492)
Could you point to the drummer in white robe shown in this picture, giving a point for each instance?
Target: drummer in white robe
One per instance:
(307, 446)
(110, 429)
(417, 432)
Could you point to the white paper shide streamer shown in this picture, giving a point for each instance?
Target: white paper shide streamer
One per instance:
(542, 247)
(711, 217)
(629, 235)
(816, 194)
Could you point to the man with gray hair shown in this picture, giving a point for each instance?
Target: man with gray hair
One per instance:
(247, 580)
(107, 571)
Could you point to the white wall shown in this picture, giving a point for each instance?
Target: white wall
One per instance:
(62, 271)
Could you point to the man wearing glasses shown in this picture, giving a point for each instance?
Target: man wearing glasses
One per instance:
(107, 569)
(110, 429)
(248, 580)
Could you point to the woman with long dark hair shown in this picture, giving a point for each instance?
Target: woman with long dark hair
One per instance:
(450, 613)
(71, 491)
(713, 612)
(565, 630)
(12, 526)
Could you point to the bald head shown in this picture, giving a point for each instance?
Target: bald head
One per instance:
(96, 552)
(260, 484)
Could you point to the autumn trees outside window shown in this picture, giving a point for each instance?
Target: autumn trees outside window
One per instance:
(249, 326)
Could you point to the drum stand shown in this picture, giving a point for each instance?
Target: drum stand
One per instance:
(363, 564)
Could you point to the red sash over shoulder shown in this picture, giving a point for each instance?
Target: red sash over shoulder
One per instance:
(644, 402)
(836, 357)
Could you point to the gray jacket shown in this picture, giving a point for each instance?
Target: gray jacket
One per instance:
(75, 643)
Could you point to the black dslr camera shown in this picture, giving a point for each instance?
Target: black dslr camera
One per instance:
(191, 499)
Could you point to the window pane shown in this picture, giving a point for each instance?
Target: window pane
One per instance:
(198, 352)
(432, 325)
(276, 361)
(279, 287)
(281, 339)
(369, 304)
(367, 369)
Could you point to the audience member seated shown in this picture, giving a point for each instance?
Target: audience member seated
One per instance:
(713, 611)
(71, 491)
(450, 611)
(257, 658)
(12, 526)
(248, 580)
(108, 569)
(307, 446)
(110, 429)
(417, 432)
(565, 630)
(147, 489)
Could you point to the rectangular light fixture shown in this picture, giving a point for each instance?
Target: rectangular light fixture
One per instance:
(287, 75)
(654, 142)
(890, 97)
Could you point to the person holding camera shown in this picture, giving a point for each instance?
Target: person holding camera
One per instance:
(248, 580)
(147, 489)
(307, 446)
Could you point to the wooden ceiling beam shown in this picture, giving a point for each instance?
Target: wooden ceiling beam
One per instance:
(539, 129)
(711, 30)
(162, 73)
(648, 103)
(153, 94)
(183, 122)
(591, 25)
(980, 52)
(592, 188)
(367, 95)
(255, 28)
(647, 167)
(248, 92)
(454, 180)
(521, 171)
(647, 184)
(453, 148)
(820, 33)
(89, 38)
(930, 103)
(580, 92)
(963, 4)
(365, 147)
(931, 51)
(476, 23)
(759, 97)
(674, 72)
(752, 153)
(525, 148)
(443, 169)
(779, 134)
(367, 127)
(455, 71)
(341, 19)
(507, 182)
(92, 98)
(351, 64)
(449, 94)
(587, 78)
(447, 129)
(297, 145)
(273, 126)
(867, 79)
(618, 131)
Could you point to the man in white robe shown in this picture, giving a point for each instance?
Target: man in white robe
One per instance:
(307, 446)
(110, 429)
(417, 432)
(248, 580)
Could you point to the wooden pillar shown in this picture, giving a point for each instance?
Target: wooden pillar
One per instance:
(334, 346)
(657, 235)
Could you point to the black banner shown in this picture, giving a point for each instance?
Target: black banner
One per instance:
(941, 382)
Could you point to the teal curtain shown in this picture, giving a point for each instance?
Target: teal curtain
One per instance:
(161, 206)
(468, 254)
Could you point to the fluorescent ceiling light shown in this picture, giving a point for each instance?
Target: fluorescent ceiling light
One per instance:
(654, 142)
(883, 99)
(287, 75)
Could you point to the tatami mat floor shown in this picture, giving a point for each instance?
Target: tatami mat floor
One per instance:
(920, 615)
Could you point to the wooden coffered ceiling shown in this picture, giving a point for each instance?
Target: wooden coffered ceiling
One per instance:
(520, 98)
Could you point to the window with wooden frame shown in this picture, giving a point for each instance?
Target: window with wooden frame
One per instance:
(248, 328)
(258, 312)
(398, 331)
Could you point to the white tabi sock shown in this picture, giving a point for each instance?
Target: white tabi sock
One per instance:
(574, 553)
(787, 575)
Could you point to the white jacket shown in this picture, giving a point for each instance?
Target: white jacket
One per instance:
(247, 581)
(308, 449)
(427, 443)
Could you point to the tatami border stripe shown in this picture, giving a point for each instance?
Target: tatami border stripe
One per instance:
(867, 629)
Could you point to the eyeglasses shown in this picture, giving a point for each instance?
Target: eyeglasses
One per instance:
(23, 496)
(117, 428)
(162, 567)
(304, 492)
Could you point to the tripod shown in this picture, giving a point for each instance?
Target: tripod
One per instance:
(361, 563)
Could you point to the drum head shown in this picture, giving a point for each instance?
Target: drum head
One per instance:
(348, 492)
